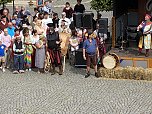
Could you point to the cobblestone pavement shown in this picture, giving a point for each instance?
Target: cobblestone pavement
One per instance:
(31, 93)
(71, 93)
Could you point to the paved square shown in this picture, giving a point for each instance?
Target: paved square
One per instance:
(71, 93)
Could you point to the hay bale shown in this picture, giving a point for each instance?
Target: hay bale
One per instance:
(140, 72)
(137, 73)
(118, 73)
(148, 74)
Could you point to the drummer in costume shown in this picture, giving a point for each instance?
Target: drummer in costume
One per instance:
(146, 27)
(53, 43)
(90, 53)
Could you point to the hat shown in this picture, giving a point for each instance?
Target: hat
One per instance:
(50, 25)
(49, 20)
(149, 16)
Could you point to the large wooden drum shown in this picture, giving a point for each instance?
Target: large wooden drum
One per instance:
(111, 61)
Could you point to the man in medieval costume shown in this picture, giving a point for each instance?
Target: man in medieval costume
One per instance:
(146, 28)
(53, 43)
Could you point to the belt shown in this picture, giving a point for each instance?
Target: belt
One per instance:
(91, 54)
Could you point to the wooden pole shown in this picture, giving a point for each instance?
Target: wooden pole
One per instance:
(113, 32)
(13, 6)
(63, 63)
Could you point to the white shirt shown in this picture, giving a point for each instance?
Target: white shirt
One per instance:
(35, 39)
(46, 21)
(48, 8)
(1, 35)
(66, 19)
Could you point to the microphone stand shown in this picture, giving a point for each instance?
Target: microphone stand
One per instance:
(122, 35)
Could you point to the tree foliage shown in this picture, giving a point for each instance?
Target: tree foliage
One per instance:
(5, 1)
(102, 5)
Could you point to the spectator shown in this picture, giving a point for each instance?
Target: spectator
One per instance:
(17, 33)
(40, 53)
(18, 49)
(16, 12)
(3, 23)
(6, 40)
(46, 20)
(55, 20)
(1, 33)
(35, 36)
(23, 12)
(40, 29)
(64, 27)
(90, 53)
(35, 18)
(2, 55)
(79, 8)
(16, 19)
(40, 16)
(35, 40)
(68, 10)
(24, 21)
(28, 48)
(65, 19)
(36, 12)
(74, 42)
(11, 29)
(47, 7)
(6, 13)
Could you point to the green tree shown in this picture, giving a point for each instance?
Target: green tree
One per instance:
(102, 5)
(5, 1)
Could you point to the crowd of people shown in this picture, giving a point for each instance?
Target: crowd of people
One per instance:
(26, 44)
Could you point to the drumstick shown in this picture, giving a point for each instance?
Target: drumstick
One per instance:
(64, 63)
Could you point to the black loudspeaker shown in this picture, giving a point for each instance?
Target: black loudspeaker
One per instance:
(87, 20)
(103, 25)
(77, 17)
(79, 61)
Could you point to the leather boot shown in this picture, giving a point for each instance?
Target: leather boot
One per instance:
(53, 70)
(147, 54)
(60, 70)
